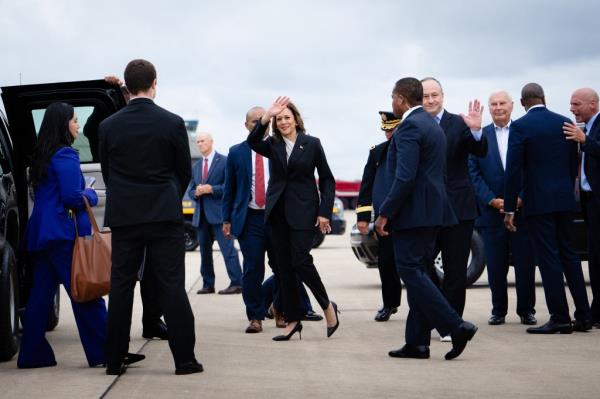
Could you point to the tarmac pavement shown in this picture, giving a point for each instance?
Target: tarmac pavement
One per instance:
(501, 361)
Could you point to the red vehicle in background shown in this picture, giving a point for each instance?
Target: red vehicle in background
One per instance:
(347, 191)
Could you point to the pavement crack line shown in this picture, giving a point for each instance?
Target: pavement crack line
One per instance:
(114, 382)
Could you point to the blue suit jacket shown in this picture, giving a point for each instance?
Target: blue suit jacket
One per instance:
(62, 190)
(237, 189)
(417, 169)
(544, 161)
(210, 204)
(591, 148)
(487, 175)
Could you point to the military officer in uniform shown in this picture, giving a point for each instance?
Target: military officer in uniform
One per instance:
(373, 189)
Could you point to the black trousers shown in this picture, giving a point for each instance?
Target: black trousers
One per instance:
(552, 236)
(391, 288)
(455, 244)
(428, 308)
(165, 247)
(590, 203)
(499, 243)
(151, 312)
(292, 253)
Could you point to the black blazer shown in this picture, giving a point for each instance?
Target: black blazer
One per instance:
(461, 143)
(416, 164)
(146, 165)
(374, 184)
(294, 181)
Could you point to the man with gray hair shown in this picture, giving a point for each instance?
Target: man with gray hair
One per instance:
(543, 166)
(584, 105)
(487, 174)
(206, 189)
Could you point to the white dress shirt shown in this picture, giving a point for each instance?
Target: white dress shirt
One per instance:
(585, 184)
(410, 111)
(210, 157)
(289, 146)
(502, 139)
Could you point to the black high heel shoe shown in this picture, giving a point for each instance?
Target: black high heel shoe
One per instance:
(331, 330)
(131, 358)
(297, 327)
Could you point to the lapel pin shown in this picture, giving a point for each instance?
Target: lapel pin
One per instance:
(301, 147)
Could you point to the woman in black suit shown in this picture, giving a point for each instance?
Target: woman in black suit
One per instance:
(294, 208)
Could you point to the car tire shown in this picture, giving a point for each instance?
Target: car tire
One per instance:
(191, 236)
(476, 264)
(9, 305)
(55, 313)
(318, 239)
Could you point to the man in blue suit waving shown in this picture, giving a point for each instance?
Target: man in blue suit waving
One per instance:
(543, 165)
(487, 175)
(206, 189)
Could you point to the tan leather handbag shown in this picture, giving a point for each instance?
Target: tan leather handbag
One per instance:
(90, 268)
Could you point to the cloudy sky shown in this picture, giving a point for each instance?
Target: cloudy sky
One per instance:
(338, 60)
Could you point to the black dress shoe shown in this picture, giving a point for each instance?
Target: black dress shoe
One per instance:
(131, 358)
(528, 319)
(582, 325)
(552, 327)
(496, 320)
(116, 369)
(189, 368)
(460, 337)
(206, 290)
(157, 330)
(384, 313)
(411, 352)
(312, 316)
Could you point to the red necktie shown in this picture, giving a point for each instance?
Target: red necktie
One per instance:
(259, 187)
(205, 170)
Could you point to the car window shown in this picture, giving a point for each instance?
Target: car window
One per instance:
(4, 165)
(86, 141)
(2, 161)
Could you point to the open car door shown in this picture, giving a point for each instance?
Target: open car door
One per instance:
(25, 106)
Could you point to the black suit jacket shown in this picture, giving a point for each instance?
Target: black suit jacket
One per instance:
(373, 186)
(461, 143)
(293, 181)
(416, 164)
(591, 148)
(146, 165)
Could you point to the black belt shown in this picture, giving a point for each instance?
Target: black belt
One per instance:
(256, 211)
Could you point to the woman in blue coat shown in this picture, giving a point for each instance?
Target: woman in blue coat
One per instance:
(59, 188)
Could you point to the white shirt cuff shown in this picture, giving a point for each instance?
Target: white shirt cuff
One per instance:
(477, 134)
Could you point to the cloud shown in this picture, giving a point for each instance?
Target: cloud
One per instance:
(338, 61)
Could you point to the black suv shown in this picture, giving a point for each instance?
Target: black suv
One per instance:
(25, 107)
(365, 247)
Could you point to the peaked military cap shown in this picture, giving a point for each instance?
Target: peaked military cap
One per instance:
(389, 121)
